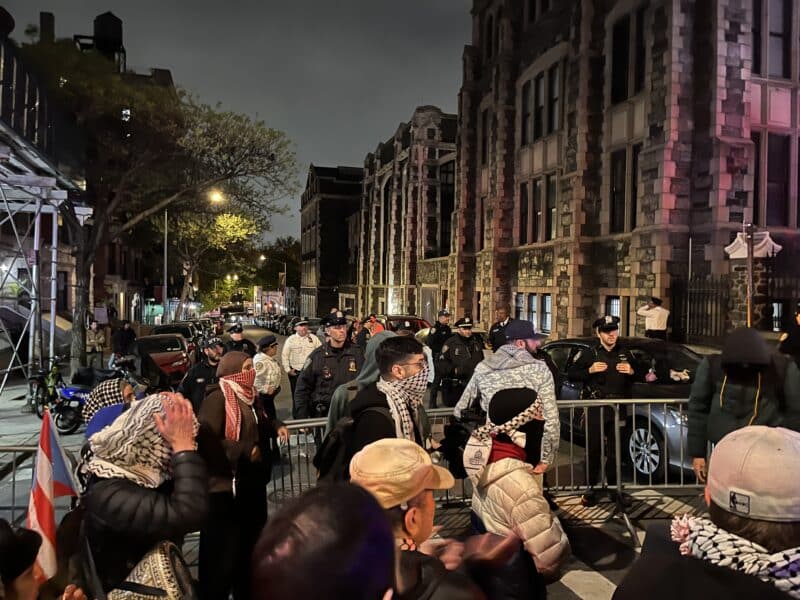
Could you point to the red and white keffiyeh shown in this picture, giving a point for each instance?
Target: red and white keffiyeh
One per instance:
(239, 386)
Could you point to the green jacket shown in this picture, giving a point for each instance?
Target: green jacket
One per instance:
(718, 405)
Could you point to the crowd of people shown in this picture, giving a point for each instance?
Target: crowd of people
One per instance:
(158, 468)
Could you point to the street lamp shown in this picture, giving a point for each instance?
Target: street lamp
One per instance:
(216, 196)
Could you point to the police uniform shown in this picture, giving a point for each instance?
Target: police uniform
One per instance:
(790, 339)
(199, 377)
(497, 334)
(325, 369)
(243, 345)
(437, 336)
(608, 384)
(457, 361)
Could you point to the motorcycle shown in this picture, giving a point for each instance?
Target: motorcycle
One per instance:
(65, 402)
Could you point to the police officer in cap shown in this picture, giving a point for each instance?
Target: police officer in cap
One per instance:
(456, 363)
(335, 362)
(238, 343)
(437, 336)
(607, 372)
(204, 373)
(790, 339)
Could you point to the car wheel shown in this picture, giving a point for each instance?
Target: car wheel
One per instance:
(645, 448)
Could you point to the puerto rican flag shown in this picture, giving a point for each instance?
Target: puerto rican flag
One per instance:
(52, 478)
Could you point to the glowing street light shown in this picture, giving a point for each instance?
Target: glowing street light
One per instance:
(216, 196)
(262, 257)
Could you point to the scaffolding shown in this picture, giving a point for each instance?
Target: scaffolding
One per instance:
(27, 201)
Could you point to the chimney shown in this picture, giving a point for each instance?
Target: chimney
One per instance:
(47, 28)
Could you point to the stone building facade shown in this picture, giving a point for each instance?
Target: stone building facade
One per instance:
(597, 137)
(406, 211)
(330, 229)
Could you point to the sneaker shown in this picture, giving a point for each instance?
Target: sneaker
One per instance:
(624, 499)
(589, 499)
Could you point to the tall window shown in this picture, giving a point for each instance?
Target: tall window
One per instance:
(550, 217)
(620, 59)
(536, 215)
(532, 10)
(617, 191)
(386, 209)
(777, 180)
(757, 36)
(640, 54)
(523, 213)
(780, 24)
(519, 306)
(554, 105)
(447, 181)
(635, 151)
(479, 233)
(538, 107)
(526, 114)
(547, 313)
(489, 39)
(756, 137)
(533, 308)
(485, 136)
(613, 306)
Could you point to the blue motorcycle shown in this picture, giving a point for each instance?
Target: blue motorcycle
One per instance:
(65, 401)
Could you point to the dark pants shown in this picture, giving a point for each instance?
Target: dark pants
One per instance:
(293, 383)
(656, 334)
(434, 391)
(228, 539)
(599, 429)
(451, 393)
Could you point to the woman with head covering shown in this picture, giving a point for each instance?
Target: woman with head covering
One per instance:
(107, 401)
(19, 572)
(233, 442)
(147, 484)
(508, 496)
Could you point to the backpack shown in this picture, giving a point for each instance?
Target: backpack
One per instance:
(332, 460)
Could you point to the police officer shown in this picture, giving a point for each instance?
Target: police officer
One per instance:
(790, 339)
(239, 343)
(460, 355)
(497, 332)
(329, 366)
(607, 372)
(203, 374)
(437, 336)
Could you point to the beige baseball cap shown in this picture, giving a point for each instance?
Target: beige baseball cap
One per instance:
(754, 473)
(397, 470)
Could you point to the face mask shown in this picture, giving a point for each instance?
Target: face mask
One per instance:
(416, 384)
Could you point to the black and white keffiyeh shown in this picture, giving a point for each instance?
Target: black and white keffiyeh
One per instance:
(106, 393)
(132, 448)
(699, 537)
(404, 397)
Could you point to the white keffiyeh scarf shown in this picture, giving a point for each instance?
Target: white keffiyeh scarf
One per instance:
(702, 539)
(404, 397)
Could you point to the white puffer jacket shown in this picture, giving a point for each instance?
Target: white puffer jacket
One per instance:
(509, 498)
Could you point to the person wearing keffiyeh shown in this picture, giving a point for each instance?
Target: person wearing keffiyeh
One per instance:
(106, 402)
(233, 442)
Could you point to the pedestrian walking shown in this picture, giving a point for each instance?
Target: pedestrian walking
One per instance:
(514, 366)
(95, 345)
(497, 332)
(655, 319)
(438, 334)
(326, 368)
(238, 343)
(456, 363)
(607, 373)
(296, 350)
(744, 385)
(121, 343)
(203, 373)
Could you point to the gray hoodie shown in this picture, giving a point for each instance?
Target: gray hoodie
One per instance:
(344, 394)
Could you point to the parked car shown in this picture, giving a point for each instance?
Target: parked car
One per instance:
(185, 329)
(393, 322)
(165, 359)
(208, 327)
(675, 366)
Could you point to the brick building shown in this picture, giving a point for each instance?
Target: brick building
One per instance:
(330, 229)
(597, 137)
(406, 208)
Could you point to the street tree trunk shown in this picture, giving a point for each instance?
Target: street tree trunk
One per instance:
(186, 291)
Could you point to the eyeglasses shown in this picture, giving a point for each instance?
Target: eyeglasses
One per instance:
(420, 363)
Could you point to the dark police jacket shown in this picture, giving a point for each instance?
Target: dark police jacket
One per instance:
(459, 357)
(244, 345)
(437, 336)
(497, 334)
(197, 379)
(326, 369)
(609, 383)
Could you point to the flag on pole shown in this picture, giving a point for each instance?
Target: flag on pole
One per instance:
(52, 478)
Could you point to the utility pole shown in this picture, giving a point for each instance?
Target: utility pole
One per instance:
(748, 235)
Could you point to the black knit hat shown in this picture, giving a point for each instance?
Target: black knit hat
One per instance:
(18, 551)
(507, 404)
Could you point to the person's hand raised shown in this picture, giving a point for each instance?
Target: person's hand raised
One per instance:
(177, 426)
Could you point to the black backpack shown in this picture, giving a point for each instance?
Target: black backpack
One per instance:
(332, 460)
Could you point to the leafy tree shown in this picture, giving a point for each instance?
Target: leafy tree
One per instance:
(150, 147)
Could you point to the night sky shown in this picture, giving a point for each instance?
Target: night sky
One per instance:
(337, 76)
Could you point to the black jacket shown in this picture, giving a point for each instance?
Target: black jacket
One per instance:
(437, 336)
(122, 341)
(662, 573)
(497, 334)
(459, 357)
(197, 379)
(326, 369)
(609, 383)
(125, 520)
(244, 345)
(426, 578)
(372, 425)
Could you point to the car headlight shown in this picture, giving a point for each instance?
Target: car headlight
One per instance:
(680, 417)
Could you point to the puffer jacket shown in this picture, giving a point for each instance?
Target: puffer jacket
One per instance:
(124, 520)
(509, 498)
